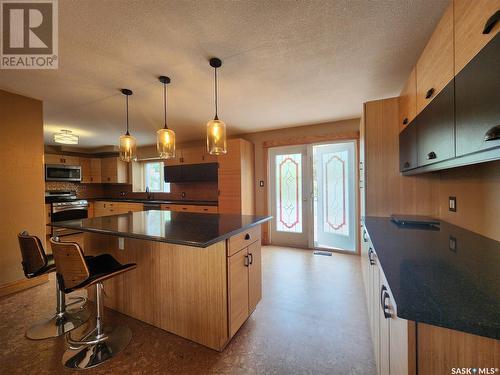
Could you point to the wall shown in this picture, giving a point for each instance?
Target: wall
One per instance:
(21, 178)
(477, 188)
(258, 139)
(84, 191)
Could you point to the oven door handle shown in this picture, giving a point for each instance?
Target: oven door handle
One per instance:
(69, 208)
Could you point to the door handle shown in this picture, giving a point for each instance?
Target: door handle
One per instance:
(250, 255)
(370, 253)
(247, 236)
(384, 295)
(429, 93)
(492, 21)
(246, 262)
(431, 155)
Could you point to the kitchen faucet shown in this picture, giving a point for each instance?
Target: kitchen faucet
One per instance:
(148, 193)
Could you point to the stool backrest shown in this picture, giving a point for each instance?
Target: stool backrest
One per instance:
(32, 252)
(70, 263)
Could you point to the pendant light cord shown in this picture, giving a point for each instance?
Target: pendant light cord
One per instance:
(165, 104)
(215, 72)
(127, 114)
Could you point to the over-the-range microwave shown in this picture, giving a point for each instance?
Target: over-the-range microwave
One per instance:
(56, 172)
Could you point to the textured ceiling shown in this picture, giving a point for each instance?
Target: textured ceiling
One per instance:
(285, 63)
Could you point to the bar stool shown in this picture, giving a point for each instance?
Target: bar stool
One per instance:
(75, 272)
(36, 262)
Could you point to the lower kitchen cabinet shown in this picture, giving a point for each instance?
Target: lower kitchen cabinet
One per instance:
(244, 284)
(189, 208)
(106, 208)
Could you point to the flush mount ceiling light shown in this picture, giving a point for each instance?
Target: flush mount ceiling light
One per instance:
(216, 129)
(127, 142)
(66, 137)
(165, 137)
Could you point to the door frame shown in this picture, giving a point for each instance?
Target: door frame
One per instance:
(301, 140)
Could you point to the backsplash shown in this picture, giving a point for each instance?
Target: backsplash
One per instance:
(82, 190)
(203, 191)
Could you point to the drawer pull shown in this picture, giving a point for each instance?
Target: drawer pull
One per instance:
(431, 155)
(364, 236)
(247, 236)
(247, 263)
(406, 165)
(430, 92)
(492, 21)
(251, 258)
(370, 253)
(492, 134)
(383, 297)
(405, 121)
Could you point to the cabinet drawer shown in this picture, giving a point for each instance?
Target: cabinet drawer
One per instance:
(205, 209)
(243, 239)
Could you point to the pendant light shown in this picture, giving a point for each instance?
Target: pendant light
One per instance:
(127, 142)
(165, 138)
(216, 129)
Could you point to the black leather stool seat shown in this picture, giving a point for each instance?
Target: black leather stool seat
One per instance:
(49, 267)
(101, 267)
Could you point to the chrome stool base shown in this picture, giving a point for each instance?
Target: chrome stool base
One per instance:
(105, 346)
(59, 324)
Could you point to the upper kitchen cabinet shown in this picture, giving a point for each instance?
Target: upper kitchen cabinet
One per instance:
(408, 148)
(474, 28)
(408, 101)
(436, 129)
(61, 159)
(114, 171)
(191, 155)
(91, 170)
(435, 67)
(236, 178)
(477, 100)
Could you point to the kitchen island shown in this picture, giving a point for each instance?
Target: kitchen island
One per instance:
(198, 275)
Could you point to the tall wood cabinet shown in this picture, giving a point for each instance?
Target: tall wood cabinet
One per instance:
(114, 171)
(236, 178)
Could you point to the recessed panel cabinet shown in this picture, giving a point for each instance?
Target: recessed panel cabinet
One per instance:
(478, 100)
(436, 129)
(408, 148)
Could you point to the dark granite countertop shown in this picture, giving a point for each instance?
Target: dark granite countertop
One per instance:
(182, 228)
(434, 283)
(157, 201)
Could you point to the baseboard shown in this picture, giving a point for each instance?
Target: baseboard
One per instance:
(17, 286)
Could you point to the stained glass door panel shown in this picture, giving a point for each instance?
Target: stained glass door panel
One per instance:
(289, 197)
(334, 203)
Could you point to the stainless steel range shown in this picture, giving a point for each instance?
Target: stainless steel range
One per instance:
(64, 205)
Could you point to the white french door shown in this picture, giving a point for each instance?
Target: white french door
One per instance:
(313, 196)
(290, 195)
(335, 196)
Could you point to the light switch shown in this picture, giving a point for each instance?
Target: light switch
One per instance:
(261, 183)
(121, 243)
(452, 204)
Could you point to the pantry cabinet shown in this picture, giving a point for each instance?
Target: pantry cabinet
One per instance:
(435, 67)
(471, 28)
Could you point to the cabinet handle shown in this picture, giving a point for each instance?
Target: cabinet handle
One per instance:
(430, 92)
(431, 155)
(492, 21)
(383, 297)
(251, 258)
(492, 134)
(370, 253)
(406, 165)
(364, 236)
(246, 261)
(405, 121)
(247, 236)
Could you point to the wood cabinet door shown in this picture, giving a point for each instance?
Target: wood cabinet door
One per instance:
(71, 160)
(398, 346)
(408, 147)
(435, 67)
(470, 20)
(53, 159)
(408, 101)
(86, 171)
(254, 276)
(383, 323)
(436, 129)
(192, 155)
(108, 170)
(95, 170)
(477, 100)
(238, 289)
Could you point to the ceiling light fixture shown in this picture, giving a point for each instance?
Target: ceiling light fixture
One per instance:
(216, 129)
(165, 137)
(66, 137)
(127, 142)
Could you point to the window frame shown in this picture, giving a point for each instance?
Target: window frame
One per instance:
(165, 186)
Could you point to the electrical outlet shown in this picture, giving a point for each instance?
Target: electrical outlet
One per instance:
(453, 244)
(452, 204)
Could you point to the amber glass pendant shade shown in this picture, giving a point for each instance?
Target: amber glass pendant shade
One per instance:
(216, 137)
(165, 143)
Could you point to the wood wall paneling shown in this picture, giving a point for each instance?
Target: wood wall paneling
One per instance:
(21, 179)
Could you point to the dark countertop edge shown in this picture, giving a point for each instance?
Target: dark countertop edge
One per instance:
(162, 239)
(478, 330)
(156, 201)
